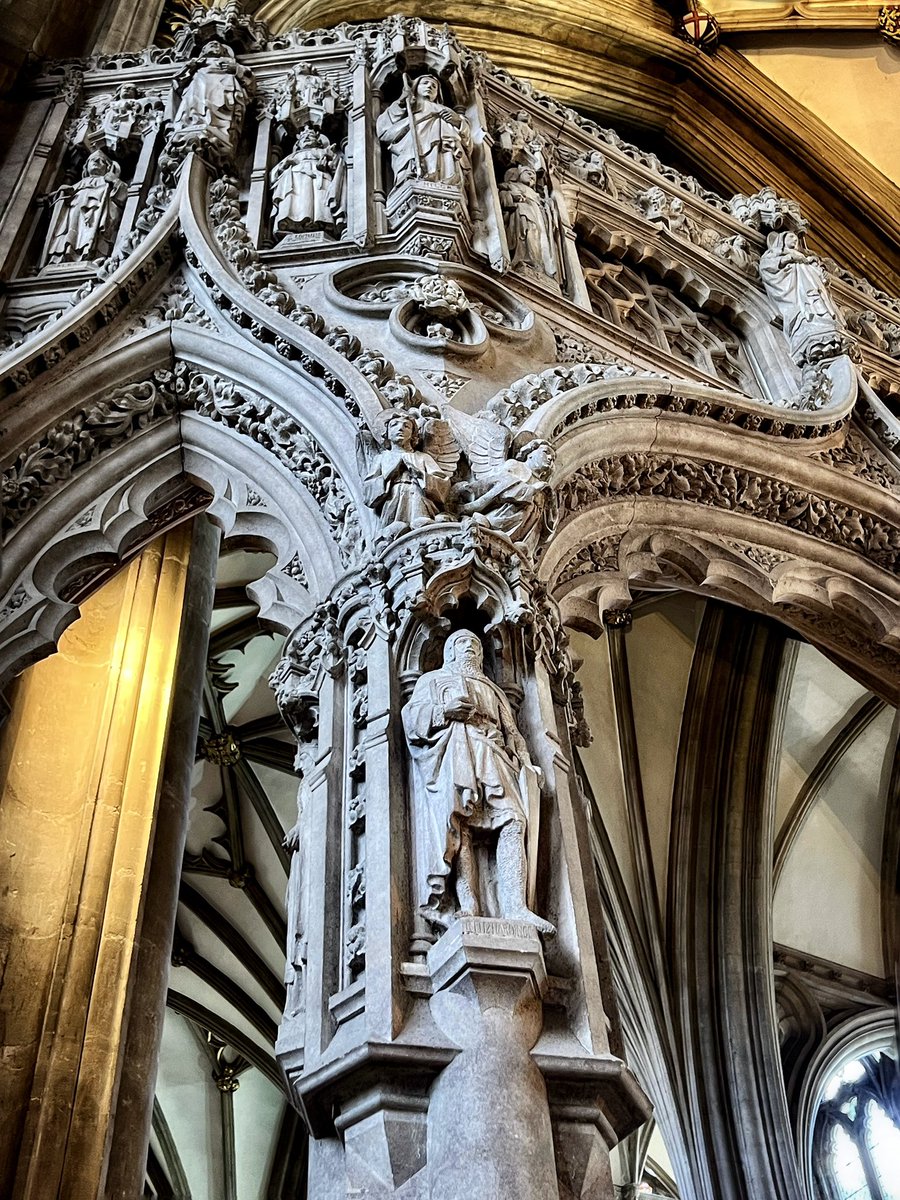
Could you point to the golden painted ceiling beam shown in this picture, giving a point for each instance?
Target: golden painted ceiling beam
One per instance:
(794, 15)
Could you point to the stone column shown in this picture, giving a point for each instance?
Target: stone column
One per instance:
(80, 764)
(489, 1131)
(134, 1107)
(436, 1054)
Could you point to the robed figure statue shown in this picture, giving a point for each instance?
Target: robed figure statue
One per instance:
(86, 215)
(214, 91)
(426, 139)
(308, 186)
(475, 793)
(795, 282)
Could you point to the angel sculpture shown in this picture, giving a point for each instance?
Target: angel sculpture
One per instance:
(510, 487)
(406, 479)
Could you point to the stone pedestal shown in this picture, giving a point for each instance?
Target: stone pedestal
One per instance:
(489, 1131)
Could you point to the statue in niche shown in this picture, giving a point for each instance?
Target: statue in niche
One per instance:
(476, 793)
(304, 98)
(128, 116)
(308, 186)
(296, 898)
(215, 89)
(86, 214)
(528, 228)
(519, 142)
(795, 282)
(426, 139)
(406, 479)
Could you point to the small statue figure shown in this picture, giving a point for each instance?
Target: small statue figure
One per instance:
(308, 186)
(426, 139)
(301, 89)
(528, 229)
(128, 116)
(736, 250)
(476, 793)
(86, 215)
(515, 495)
(406, 480)
(296, 896)
(666, 212)
(304, 98)
(519, 142)
(592, 168)
(215, 89)
(795, 282)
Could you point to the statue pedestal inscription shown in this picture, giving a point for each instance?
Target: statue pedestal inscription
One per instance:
(489, 1131)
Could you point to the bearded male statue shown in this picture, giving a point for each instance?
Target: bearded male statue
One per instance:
(476, 793)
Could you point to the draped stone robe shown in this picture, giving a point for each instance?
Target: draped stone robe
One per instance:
(467, 772)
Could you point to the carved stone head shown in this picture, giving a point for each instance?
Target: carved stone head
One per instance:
(401, 431)
(540, 456)
(463, 650)
(427, 87)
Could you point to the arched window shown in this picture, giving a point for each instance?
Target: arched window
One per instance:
(857, 1134)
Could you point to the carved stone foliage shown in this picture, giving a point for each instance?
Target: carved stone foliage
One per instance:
(76, 441)
(634, 302)
(858, 456)
(736, 490)
(273, 429)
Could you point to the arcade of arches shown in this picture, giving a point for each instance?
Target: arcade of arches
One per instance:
(449, 615)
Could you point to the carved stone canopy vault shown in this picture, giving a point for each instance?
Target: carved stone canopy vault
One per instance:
(462, 360)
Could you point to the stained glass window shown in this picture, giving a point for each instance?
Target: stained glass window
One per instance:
(857, 1136)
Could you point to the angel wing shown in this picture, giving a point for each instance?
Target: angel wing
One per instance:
(485, 441)
(439, 442)
(366, 449)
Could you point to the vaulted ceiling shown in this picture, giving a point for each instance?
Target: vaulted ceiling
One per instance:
(222, 1128)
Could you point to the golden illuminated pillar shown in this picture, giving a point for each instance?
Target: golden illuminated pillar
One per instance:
(81, 766)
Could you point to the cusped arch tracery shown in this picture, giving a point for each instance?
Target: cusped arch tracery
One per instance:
(652, 498)
(271, 466)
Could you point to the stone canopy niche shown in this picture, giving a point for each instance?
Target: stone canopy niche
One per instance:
(471, 369)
